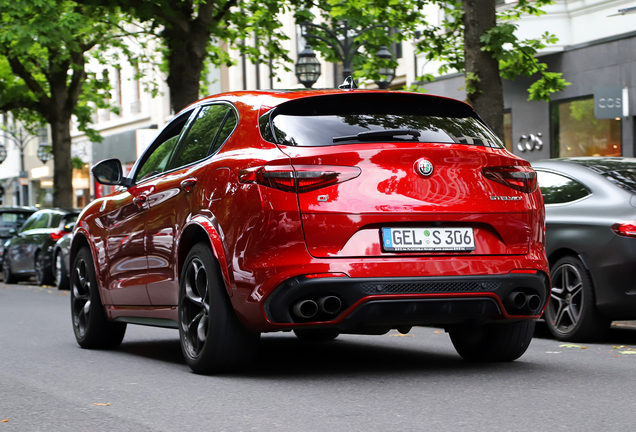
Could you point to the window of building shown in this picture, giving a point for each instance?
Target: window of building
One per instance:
(576, 132)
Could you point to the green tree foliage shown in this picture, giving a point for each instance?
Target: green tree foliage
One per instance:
(447, 42)
(375, 23)
(44, 49)
(195, 34)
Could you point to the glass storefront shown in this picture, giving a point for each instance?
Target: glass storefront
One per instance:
(576, 132)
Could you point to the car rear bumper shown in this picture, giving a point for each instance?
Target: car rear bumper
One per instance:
(368, 303)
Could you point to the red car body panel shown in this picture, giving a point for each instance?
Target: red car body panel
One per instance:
(263, 237)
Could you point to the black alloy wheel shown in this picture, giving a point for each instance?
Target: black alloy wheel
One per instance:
(213, 340)
(43, 272)
(9, 276)
(91, 327)
(571, 314)
(493, 342)
(60, 274)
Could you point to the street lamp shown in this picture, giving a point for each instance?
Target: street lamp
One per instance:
(387, 72)
(308, 67)
(345, 47)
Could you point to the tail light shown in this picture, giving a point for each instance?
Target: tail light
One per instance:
(56, 235)
(625, 229)
(301, 178)
(521, 178)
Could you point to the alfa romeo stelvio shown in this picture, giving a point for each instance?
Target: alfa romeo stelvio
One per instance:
(324, 212)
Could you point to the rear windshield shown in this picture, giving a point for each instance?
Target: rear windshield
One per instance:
(621, 172)
(12, 219)
(348, 119)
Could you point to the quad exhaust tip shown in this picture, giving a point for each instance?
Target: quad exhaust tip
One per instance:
(327, 305)
(519, 301)
(305, 309)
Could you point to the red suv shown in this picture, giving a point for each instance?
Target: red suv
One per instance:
(321, 212)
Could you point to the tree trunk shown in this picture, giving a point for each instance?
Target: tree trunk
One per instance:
(483, 82)
(186, 57)
(62, 165)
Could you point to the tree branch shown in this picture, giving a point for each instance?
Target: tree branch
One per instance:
(18, 68)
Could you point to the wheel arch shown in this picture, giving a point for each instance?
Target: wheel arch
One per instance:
(80, 240)
(203, 229)
(563, 252)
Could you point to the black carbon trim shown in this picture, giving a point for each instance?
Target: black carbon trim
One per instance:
(279, 303)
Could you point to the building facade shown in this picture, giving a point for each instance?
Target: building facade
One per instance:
(595, 115)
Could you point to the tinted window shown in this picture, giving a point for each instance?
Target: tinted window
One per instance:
(621, 172)
(558, 189)
(158, 159)
(227, 129)
(30, 222)
(203, 134)
(42, 221)
(11, 219)
(56, 218)
(317, 121)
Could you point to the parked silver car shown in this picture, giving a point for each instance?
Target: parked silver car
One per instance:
(590, 208)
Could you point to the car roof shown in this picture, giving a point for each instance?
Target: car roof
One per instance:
(58, 210)
(17, 210)
(267, 99)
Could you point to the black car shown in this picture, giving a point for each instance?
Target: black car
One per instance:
(590, 208)
(61, 252)
(30, 251)
(11, 219)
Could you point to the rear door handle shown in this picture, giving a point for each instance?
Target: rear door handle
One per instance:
(140, 200)
(188, 184)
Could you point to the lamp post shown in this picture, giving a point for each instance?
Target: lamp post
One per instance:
(20, 138)
(345, 47)
(387, 72)
(307, 67)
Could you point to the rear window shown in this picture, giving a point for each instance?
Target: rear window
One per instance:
(12, 219)
(383, 117)
(621, 172)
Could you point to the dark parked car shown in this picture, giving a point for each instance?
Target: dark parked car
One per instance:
(61, 253)
(29, 252)
(322, 212)
(11, 219)
(591, 243)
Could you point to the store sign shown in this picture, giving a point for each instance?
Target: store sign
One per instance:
(608, 102)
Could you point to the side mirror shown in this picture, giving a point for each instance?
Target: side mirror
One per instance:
(109, 172)
(69, 227)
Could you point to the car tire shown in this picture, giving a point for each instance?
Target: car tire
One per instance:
(9, 276)
(92, 328)
(571, 314)
(43, 273)
(60, 274)
(316, 335)
(493, 342)
(213, 340)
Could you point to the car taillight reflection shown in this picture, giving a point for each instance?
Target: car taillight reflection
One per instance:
(301, 178)
(56, 235)
(521, 178)
(625, 229)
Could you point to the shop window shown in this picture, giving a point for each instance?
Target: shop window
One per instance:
(576, 132)
(507, 126)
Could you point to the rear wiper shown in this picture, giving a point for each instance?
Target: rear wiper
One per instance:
(379, 134)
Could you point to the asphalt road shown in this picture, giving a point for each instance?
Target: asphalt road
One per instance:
(356, 383)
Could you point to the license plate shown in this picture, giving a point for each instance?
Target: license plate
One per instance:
(428, 239)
